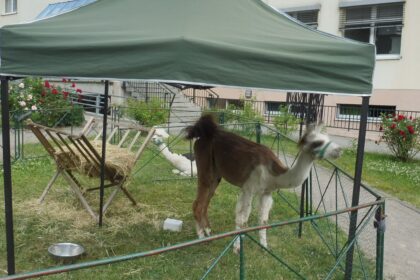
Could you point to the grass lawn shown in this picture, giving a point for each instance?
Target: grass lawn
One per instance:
(129, 229)
(384, 172)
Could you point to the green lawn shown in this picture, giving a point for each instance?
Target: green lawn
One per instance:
(131, 229)
(384, 172)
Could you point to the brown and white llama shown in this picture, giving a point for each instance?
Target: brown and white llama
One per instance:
(251, 166)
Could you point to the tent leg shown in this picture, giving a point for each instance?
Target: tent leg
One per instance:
(356, 186)
(105, 120)
(8, 201)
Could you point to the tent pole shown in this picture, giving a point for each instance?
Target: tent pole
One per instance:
(356, 186)
(7, 177)
(104, 126)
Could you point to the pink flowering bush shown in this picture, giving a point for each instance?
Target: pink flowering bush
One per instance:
(50, 105)
(402, 135)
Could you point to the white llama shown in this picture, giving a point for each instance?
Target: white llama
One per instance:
(183, 163)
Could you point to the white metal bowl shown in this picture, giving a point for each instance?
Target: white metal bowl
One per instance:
(66, 251)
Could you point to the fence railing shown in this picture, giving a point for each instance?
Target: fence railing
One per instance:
(332, 116)
(202, 97)
(325, 210)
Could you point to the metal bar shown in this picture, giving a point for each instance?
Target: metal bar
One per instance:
(336, 208)
(7, 175)
(104, 125)
(302, 207)
(356, 185)
(276, 257)
(191, 159)
(241, 258)
(380, 231)
(106, 261)
(258, 132)
(350, 246)
(216, 261)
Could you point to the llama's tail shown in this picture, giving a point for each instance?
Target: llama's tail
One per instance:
(204, 128)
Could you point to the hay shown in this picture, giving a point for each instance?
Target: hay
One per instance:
(119, 161)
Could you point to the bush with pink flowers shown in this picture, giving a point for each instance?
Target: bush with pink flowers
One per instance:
(402, 135)
(49, 105)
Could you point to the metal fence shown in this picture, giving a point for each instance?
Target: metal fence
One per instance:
(322, 207)
(340, 116)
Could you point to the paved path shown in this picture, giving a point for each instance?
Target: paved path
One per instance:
(402, 237)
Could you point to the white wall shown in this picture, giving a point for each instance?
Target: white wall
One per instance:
(27, 10)
(396, 82)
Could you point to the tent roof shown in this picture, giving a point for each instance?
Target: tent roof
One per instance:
(242, 43)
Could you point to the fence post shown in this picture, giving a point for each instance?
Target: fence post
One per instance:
(7, 176)
(241, 258)
(97, 104)
(356, 185)
(103, 160)
(222, 118)
(258, 132)
(380, 233)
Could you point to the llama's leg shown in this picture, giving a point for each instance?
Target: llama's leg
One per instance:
(205, 218)
(243, 209)
(266, 201)
(198, 206)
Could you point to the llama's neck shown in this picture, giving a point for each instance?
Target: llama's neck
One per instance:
(165, 151)
(297, 174)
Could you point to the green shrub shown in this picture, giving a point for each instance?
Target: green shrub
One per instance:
(147, 113)
(239, 114)
(286, 122)
(401, 133)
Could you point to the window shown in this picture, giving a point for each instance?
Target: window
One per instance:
(352, 111)
(236, 104)
(310, 18)
(11, 6)
(216, 103)
(377, 24)
(273, 108)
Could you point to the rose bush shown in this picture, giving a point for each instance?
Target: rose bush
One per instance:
(50, 105)
(401, 133)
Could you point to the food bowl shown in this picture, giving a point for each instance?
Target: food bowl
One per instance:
(66, 251)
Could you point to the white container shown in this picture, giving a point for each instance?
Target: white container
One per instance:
(172, 225)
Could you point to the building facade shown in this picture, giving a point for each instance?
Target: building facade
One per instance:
(392, 25)
(20, 11)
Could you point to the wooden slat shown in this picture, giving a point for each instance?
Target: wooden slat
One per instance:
(123, 138)
(134, 140)
(112, 134)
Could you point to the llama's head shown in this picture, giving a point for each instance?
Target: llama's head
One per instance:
(318, 144)
(159, 136)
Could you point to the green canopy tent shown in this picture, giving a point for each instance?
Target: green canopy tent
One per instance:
(240, 43)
